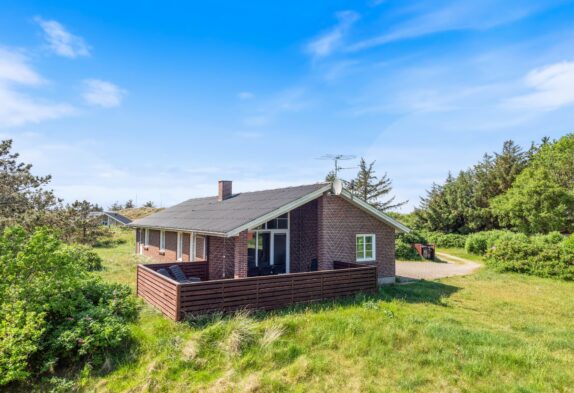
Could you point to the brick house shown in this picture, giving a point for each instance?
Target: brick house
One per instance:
(287, 230)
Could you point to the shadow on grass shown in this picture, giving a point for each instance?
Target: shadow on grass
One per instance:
(430, 292)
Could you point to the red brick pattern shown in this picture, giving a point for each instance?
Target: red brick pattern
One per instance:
(220, 256)
(225, 190)
(240, 258)
(339, 223)
(303, 237)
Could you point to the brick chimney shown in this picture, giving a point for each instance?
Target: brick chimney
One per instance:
(225, 190)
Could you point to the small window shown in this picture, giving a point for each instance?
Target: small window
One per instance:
(365, 248)
(162, 241)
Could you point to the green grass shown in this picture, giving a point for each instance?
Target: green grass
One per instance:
(486, 332)
(461, 253)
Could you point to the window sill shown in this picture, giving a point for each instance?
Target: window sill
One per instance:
(366, 260)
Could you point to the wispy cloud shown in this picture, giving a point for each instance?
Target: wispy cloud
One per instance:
(290, 100)
(245, 95)
(328, 42)
(17, 108)
(102, 93)
(553, 87)
(61, 41)
(452, 15)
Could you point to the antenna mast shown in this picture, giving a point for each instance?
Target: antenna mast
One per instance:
(336, 158)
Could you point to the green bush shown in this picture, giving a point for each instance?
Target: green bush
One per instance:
(53, 308)
(549, 255)
(404, 250)
(480, 242)
(445, 240)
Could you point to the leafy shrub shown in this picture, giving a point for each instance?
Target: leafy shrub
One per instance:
(53, 308)
(480, 242)
(403, 246)
(405, 251)
(446, 240)
(85, 256)
(544, 255)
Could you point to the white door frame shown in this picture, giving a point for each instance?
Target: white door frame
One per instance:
(271, 232)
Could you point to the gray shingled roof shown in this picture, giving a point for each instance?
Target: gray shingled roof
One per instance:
(209, 215)
(119, 217)
(123, 219)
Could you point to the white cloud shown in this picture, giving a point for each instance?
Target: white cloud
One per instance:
(61, 41)
(102, 93)
(17, 108)
(449, 15)
(245, 95)
(553, 87)
(13, 68)
(325, 44)
(288, 101)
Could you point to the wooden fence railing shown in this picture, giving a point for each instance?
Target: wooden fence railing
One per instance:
(176, 300)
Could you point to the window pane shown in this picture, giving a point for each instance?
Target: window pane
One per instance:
(251, 249)
(282, 223)
(272, 224)
(280, 252)
(264, 251)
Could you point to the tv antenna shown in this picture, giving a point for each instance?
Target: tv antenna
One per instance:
(336, 158)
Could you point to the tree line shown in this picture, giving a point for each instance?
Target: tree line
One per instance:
(529, 191)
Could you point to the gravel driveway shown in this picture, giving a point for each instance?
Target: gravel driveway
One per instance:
(455, 266)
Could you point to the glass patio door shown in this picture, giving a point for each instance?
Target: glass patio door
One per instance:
(280, 253)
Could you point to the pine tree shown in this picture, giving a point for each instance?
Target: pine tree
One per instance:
(372, 190)
(23, 198)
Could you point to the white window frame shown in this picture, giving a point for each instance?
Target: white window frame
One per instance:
(197, 237)
(365, 236)
(262, 229)
(179, 247)
(146, 238)
(141, 247)
(192, 247)
(162, 241)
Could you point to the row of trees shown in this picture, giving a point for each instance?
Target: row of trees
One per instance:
(116, 206)
(529, 191)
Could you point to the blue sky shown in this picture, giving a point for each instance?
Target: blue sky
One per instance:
(157, 101)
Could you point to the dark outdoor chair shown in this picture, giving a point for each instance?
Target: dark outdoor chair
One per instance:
(265, 270)
(164, 272)
(314, 265)
(180, 275)
(253, 271)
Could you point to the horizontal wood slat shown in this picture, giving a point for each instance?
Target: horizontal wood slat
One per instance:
(176, 300)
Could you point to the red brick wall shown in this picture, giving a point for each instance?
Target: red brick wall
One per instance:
(220, 256)
(338, 224)
(303, 237)
(240, 256)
